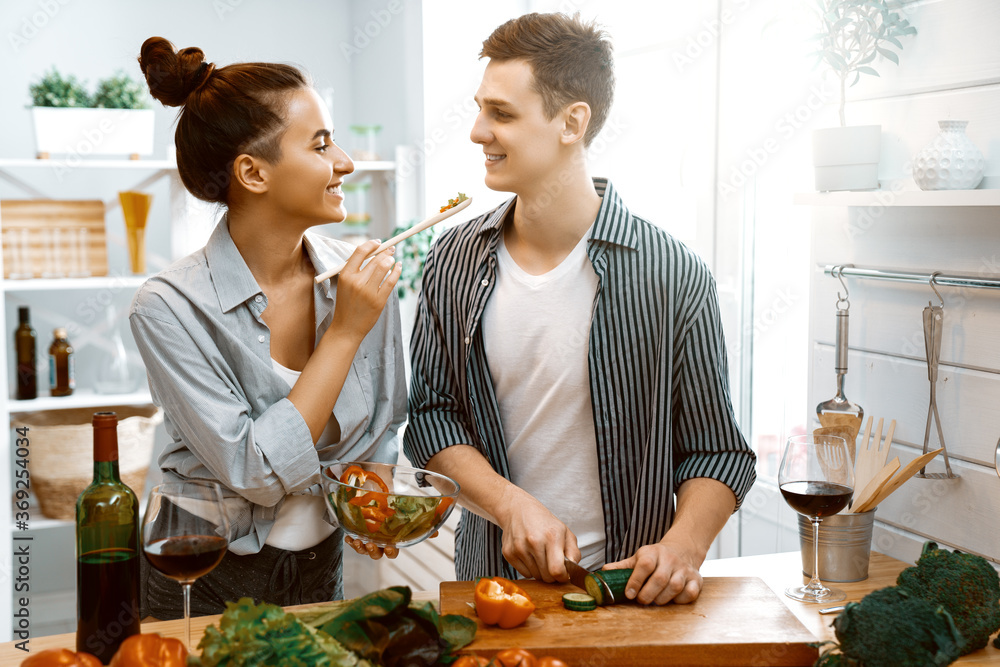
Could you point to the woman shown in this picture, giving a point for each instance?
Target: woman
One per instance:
(264, 375)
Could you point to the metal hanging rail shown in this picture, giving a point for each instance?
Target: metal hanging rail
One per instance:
(935, 278)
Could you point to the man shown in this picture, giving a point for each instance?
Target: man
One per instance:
(569, 368)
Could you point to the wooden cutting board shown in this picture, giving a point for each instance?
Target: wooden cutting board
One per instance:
(735, 621)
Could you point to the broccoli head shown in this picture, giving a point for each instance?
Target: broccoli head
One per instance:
(966, 585)
(892, 628)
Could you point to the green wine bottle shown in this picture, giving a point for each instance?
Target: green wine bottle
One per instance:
(107, 551)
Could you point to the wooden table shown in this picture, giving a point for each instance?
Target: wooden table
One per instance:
(777, 571)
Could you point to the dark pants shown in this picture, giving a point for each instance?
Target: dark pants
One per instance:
(273, 575)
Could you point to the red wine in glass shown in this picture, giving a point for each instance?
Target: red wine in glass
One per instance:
(185, 534)
(187, 557)
(816, 479)
(817, 499)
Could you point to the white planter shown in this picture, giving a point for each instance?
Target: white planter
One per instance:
(846, 158)
(82, 132)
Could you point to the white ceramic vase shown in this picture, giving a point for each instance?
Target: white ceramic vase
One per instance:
(951, 161)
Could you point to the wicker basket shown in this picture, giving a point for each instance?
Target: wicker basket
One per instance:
(61, 462)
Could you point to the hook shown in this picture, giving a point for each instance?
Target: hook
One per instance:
(931, 281)
(838, 272)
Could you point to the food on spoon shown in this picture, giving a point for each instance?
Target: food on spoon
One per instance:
(452, 203)
(501, 602)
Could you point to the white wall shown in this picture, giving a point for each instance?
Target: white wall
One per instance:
(949, 70)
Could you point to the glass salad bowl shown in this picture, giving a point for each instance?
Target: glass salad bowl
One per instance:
(388, 505)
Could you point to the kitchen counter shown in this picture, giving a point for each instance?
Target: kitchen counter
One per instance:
(777, 571)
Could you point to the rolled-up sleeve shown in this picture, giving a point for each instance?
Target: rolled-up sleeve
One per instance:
(707, 441)
(262, 458)
(438, 417)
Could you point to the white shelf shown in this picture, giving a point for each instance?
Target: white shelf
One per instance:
(373, 165)
(79, 399)
(58, 284)
(990, 197)
(79, 163)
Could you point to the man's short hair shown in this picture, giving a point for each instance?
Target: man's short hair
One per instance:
(571, 62)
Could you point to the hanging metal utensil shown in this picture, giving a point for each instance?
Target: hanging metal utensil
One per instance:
(933, 318)
(838, 407)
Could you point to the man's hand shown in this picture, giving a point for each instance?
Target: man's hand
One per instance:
(668, 570)
(535, 542)
(663, 573)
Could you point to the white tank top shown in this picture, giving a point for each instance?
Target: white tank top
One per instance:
(300, 523)
(536, 332)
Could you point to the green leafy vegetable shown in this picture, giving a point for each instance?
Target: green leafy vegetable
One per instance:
(384, 628)
(250, 635)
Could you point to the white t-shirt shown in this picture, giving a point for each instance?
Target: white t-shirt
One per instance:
(299, 523)
(536, 332)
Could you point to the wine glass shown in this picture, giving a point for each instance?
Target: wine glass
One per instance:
(817, 480)
(185, 534)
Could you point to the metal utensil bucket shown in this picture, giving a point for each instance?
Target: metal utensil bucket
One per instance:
(845, 543)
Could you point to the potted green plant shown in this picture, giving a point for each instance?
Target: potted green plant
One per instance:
(853, 35)
(68, 120)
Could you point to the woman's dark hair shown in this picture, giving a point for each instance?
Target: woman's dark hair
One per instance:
(224, 113)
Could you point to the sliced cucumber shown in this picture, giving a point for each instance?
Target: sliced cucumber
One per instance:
(608, 586)
(579, 602)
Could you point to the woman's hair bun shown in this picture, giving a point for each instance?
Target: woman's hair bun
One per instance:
(170, 74)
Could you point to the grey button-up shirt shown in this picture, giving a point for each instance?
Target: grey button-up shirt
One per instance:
(199, 328)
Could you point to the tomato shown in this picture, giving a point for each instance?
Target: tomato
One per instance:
(60, 657)
(471, 661)
(516, 657)
(549, 661)
(150, 650)
(501, 602)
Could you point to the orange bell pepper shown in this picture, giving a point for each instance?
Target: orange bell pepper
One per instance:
(443, 505)
(150, 650)
(355, 476)
(60, 657)
(501, 602)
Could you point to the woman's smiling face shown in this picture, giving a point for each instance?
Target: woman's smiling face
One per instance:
(305, 181)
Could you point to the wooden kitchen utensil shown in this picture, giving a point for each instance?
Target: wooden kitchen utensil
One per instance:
(866, 466)
(906, 473)
(419, 227)
(874, 486)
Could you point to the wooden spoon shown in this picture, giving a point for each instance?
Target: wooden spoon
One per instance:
(402, 236)
(908, 471)
(876, 484)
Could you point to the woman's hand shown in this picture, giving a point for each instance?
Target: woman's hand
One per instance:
(373, 551)
(362, 291)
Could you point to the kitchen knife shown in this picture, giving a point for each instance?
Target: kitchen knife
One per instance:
(578, 577)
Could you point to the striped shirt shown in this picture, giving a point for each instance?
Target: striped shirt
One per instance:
(658, 376)
(200, 330)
